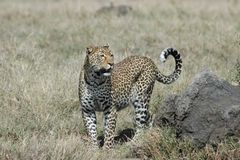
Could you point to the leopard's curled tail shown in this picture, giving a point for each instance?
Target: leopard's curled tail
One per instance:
(178, 65)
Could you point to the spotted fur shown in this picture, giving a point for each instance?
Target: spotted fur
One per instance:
(102, 88)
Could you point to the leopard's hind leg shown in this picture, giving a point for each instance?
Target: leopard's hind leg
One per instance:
(140, 98)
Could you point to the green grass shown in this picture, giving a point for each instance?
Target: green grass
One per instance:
(42, 46)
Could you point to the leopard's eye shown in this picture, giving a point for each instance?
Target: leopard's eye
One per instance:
(102, 55)
(111, 55)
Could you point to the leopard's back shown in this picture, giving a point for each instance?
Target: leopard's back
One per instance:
(126, 74)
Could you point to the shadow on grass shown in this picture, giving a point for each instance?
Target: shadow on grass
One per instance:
(123, 136)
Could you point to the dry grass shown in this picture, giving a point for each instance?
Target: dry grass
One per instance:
(162, 144)
(42, 46)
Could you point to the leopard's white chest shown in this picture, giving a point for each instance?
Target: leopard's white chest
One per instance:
(96, 98)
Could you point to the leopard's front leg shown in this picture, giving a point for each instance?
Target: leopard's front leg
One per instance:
(110, 116)
(90, 120)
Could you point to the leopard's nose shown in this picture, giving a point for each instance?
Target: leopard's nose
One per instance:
(108, 66)
(111, 64)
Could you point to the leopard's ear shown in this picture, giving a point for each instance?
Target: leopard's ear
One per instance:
(89, 49)
(106, 46)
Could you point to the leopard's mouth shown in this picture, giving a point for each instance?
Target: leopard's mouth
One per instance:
(104, 72)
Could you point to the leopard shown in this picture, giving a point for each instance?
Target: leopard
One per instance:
(108, 88)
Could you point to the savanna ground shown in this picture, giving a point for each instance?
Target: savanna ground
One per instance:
(42, 47)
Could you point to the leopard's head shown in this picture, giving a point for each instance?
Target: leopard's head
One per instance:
(100, 59)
